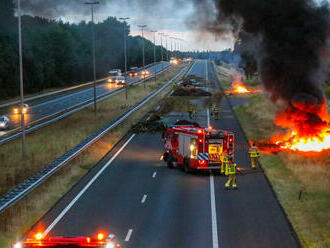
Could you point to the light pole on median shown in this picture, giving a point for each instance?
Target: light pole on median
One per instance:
(154, 32)
(92, 4)
(124, 19)
(161, 48)
(166, 36)
(21, 76)
(143, 26)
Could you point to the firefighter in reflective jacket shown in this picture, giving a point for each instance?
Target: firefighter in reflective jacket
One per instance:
(224, 161)
(215, 112)
(254, 155)
(231, 173)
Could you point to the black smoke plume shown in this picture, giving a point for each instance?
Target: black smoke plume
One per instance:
(292, 48)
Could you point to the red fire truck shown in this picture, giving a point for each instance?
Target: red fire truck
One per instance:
(197, 148)
(100, 240)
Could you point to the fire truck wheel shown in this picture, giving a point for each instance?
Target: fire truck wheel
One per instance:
(165, 156)
(170, 164)
(186, 166)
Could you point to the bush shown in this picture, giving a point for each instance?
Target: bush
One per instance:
(327, 91)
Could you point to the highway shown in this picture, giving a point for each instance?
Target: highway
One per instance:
(132, 193)
(55, 104)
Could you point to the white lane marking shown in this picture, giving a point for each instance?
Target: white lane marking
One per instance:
(154, 175)
(128, 236)
(207, 73)
(144, 198)
(68, 207)
(215, 240)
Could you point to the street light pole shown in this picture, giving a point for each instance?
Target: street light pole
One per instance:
(124, 19)
(93, 44)
(21, 76)
(154, 32)
(161, 49)
(166, 46)
(143, 26)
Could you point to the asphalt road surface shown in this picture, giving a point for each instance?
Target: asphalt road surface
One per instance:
(55, 104)
(132, 193)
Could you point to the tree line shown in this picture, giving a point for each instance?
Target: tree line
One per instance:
(58, 54)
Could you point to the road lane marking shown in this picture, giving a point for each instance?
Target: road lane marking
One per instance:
(68, 207)
(154, 175)
(144, 198)
(207, 76)
(128, 236)
(215, 240)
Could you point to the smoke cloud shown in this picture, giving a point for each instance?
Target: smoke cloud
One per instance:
(292, 48)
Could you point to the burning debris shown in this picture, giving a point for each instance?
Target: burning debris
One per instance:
(240, 89)
(191, 86)
(153, 124)
(193, 80)
(292, 54)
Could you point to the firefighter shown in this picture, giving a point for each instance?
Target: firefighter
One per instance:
(224, 161)
(254, 155)
(215, 111)
(231, 173)
(191, 111)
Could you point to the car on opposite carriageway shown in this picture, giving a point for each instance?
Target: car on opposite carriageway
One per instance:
(4, 122)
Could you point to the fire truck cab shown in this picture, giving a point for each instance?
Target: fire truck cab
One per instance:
(197, 148)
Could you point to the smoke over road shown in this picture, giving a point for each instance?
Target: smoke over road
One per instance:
(291, 54)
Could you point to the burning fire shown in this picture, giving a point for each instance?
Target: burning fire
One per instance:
(240, 89)
(309, 128)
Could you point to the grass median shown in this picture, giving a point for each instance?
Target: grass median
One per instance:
(19, 218)
(289, 172)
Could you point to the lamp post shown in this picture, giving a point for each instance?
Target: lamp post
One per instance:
(92, 4)
(124, 19)
(166, 36)
(21, 76)
(154, 32)
(161, 47)
(143, 26)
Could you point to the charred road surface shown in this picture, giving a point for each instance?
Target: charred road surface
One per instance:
(132, 193)
(55, 104)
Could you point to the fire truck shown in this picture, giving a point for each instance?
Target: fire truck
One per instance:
(100, 240)
(196, 148)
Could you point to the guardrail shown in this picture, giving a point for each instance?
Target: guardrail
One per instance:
(82, 85)
(28, 185)
(44, 121)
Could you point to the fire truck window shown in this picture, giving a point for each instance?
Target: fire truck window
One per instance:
(193, 148)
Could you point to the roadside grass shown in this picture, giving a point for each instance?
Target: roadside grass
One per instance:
(17, 220)
(288, 172)
(46, 144)
(327, 91)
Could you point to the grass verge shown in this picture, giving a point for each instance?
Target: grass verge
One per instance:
(288, 172)
(19, 218)
(50, 142)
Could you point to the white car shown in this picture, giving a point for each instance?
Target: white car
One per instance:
(113, 75)
(4, 122)
(120, 80)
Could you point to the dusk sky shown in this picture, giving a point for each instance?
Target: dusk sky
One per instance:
(168, 17)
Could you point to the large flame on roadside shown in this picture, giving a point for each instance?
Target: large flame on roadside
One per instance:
(239, 88)
(309, 128)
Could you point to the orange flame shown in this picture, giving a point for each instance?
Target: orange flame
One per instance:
(239, 88)
(309, 132)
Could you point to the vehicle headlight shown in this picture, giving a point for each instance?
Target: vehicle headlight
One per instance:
(2, 124)
(17, 245)
(110, 245)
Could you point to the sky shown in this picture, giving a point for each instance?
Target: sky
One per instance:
(168, 16)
